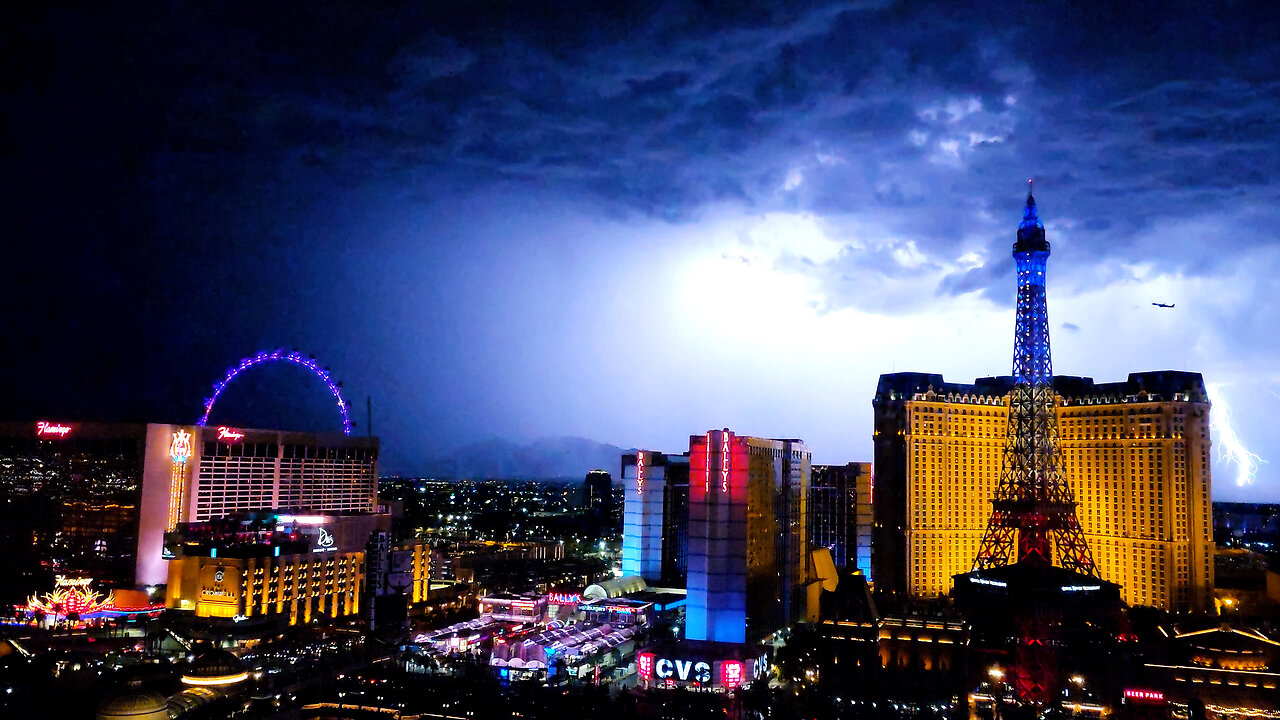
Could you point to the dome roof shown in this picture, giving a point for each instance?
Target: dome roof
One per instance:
(215, 663)
(135, 704)
(615, 588)
(215, 667)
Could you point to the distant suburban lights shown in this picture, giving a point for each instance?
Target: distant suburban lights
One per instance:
(179, 450)
(640, 471)
(230, 435)
(984, 581)
(724, 462)
(45, 428)
(731, 673)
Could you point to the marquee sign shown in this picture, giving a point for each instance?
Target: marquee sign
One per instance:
(44, 428)
(640, 471)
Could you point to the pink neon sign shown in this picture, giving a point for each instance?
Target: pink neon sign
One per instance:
(707, 489)
(640, 471)
(230, 435)
(1150, 695)
(44, 428)
(731, 673)
(724, 463)
(644, 661)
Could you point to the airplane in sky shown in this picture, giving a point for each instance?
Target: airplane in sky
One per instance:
(1163, 305)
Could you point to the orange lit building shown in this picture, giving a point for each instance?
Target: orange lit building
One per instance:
(1136, 456)
(298, 586)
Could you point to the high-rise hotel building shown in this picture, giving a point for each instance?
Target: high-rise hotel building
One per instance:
(97, 498)
(655, 518)
(1136, 456)
(839, 514)
(748, 544)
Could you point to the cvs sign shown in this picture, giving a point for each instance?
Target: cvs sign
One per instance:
(683, 670)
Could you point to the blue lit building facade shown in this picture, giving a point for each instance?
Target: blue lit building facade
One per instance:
(655, 527)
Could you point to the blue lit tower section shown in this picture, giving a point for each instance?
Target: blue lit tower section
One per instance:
(1033, 512)
(717, 594)
(643, 481)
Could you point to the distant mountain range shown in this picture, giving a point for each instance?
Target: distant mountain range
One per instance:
(568, 458)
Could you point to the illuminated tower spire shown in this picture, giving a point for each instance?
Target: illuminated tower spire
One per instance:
(1034, 511)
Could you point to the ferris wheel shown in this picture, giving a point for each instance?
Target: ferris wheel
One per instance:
(279, 355)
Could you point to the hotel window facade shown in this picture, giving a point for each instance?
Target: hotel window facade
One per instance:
(1135, 454)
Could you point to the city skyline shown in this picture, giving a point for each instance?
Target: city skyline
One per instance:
(532, 222)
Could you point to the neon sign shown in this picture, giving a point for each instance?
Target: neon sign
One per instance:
(324, 542)
(44, 428)
(1147, 695)
(564, 598)
(180, 448)
(640, 471)
(230, 435)
(731, 673)
(1080, 588)
(725, 462)
(683, 670)
(707, 489)
(61, 581)
(644, 663)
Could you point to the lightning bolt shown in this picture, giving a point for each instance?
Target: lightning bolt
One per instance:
(1230, 449)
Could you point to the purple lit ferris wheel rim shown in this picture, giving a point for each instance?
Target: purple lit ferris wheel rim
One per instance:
(294, 357)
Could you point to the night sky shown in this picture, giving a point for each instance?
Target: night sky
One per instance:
(629, 221)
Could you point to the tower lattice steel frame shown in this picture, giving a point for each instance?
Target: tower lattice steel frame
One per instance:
(1034, 510)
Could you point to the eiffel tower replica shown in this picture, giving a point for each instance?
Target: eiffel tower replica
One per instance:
(1033, 516)
(1034, 511)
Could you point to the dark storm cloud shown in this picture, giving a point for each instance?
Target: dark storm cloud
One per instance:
(932, 112)
(168, 164)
